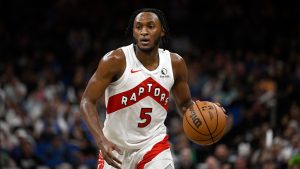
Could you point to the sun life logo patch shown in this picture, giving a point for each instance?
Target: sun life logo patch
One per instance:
(164, 73)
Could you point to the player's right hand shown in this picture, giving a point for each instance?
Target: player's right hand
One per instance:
(107, 149)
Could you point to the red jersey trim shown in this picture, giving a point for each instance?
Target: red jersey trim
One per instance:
(148, 87)
(156, 149)
(100, 161)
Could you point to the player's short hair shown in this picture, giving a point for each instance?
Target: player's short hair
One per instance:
(162, 19)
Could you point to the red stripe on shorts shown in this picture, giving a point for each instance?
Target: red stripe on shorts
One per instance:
(156, 149)
(100, 161)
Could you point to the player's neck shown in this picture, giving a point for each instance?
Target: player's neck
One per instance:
(147, 58)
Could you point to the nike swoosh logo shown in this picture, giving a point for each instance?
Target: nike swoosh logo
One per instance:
(134, 71)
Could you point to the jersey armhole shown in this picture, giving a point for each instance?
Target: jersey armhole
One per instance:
(171, 67)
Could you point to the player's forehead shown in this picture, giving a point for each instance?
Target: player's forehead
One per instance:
(145, 17)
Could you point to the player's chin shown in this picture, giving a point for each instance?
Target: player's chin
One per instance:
(145, 47)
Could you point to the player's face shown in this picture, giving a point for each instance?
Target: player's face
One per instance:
(147, 31)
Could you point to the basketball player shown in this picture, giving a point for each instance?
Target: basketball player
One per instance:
(137, 80)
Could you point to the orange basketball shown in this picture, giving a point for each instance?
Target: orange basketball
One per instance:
(204, 123)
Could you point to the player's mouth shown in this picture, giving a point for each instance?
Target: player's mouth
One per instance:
(145, 41)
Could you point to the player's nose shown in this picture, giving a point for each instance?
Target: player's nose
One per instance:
(144, 31)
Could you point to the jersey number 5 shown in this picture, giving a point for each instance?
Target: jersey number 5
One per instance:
(145, 115)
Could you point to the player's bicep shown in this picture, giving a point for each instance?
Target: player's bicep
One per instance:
(95, 88)
(102, 77)
(180, 90)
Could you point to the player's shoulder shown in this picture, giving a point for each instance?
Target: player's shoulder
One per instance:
(114, 55)
(176, 58)
(112, 63)
(178, 65)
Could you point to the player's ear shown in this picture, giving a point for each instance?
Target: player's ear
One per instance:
(163, 32)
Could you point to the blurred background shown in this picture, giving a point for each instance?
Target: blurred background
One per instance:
(242, 54)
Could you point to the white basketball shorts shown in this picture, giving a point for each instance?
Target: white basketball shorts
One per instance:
(150, 157)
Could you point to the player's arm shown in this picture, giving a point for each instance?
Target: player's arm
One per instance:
(180, 89)
(106, 72)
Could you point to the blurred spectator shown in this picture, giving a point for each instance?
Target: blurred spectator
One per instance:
(212, 163)
(222, 153)
(25, 155)
(186, 159)
(241, 163)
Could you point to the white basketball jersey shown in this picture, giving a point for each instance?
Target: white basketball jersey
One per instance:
(137, 103)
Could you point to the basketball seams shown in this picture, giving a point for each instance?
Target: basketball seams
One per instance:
(212, 131)
(216, 111)
(193, 126)
(214, 136)
(205, 122)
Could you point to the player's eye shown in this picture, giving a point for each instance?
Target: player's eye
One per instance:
(138, 27)
(151, 26)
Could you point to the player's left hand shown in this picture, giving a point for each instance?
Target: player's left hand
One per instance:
(218, 104)
(107, 149)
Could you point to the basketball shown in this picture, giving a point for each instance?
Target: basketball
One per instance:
(204, 123)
